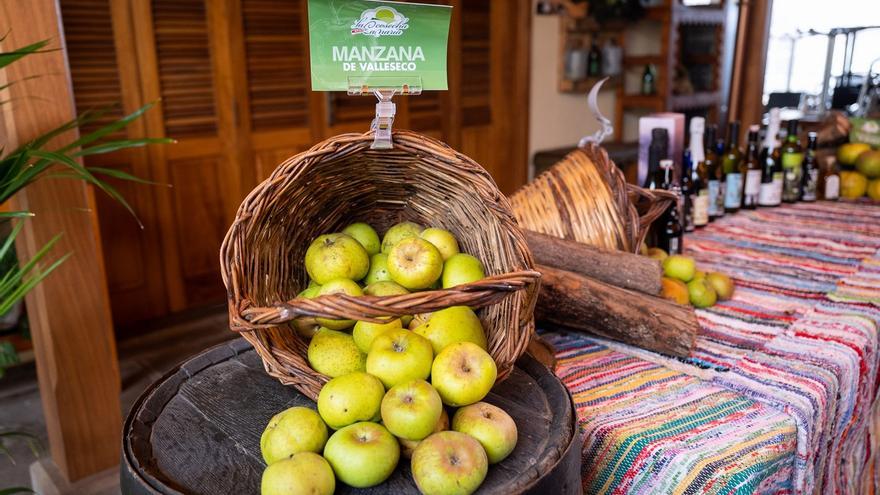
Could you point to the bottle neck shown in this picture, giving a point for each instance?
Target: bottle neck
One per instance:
(697, 152)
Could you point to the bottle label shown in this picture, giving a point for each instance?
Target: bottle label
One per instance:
(832, 187)
(714, 195)
(811, 182)
(733, 194)
(687, 205)
(753, 183)
(701, 208)
(791, 163)
(771, 192)
(675, 245)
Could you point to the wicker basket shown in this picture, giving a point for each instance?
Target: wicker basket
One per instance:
(342, 180)
(585, 198)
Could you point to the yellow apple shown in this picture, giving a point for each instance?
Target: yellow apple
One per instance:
(411, 410)
(365, 235)
(461, 269)
(378, 271)
(414, 263)
(294, 430)
(449, 462)
(490, 425)
(365, 332)
(350, 398)
(443, 240)
(339, 286)
(363, 454)
(399, 232)
(463, 373)
(333, 256)
(399, 356)
(451, 325)
(303, 473)
(335, 353)
(408, 446)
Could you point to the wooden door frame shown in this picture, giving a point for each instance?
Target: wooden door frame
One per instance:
(749, 63)
(69, 312)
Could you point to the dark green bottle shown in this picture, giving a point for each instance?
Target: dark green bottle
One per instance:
(792, 164)
(733, 179)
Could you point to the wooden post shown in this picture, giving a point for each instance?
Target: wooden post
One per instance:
(69, 312)
(750, 59)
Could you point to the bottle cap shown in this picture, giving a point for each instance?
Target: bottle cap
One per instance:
(666, 163)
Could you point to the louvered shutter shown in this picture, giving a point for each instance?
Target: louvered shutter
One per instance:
(184, 65)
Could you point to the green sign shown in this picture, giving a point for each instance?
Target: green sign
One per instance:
(374, 44)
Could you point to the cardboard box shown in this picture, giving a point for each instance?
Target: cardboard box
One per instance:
(674, 125)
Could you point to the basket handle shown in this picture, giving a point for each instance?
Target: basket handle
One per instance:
(650, 203)
(485, 292)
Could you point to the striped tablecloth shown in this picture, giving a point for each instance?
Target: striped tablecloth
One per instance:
(779, 394)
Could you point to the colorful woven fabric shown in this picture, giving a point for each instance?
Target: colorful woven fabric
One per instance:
(777, 395)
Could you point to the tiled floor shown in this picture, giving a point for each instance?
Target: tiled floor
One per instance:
(142, 360)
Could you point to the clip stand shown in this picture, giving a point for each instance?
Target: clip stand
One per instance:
(384, 88)
(385, 110)
(605, 127)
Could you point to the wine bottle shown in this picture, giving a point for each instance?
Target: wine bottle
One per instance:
(750, 169)
(792, 162)
(657, 150)
(733, 179)
(811, 171)
(686, 213)
(594, 60)
(771, 175)
(671, 235)
(715, 177)
(699, 194)
(649, 85)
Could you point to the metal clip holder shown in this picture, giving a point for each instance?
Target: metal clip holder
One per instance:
(385, 89)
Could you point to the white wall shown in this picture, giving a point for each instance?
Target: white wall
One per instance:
(556, 119)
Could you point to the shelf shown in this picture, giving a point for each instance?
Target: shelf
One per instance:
(657, 60)
(654, 102)
(710, 16)
(583, 86)
(696, 100)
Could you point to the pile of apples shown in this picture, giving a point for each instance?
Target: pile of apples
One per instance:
(684, 284)
(379, 399)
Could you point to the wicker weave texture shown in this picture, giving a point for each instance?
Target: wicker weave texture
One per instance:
(340, 181)
(585, 198)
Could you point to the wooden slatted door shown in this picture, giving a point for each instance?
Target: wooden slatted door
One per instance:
(231, 80)
(132, 255)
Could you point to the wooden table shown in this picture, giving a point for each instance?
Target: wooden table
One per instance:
(197, 430)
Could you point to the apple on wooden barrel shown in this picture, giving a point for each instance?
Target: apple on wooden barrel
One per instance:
(350, 398)
(411, 410)
(490, 425)
(407, 447)
(463, 373)
(449, 462)
(398, 356)
(363, 454)
(294, 430)
(305, 472)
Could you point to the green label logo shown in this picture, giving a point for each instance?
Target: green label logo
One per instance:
(369, 44)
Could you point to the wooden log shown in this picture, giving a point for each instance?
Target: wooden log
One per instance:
(618, 268)
(573, 300)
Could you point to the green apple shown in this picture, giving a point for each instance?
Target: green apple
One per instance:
(701, 293)
(451, 325)
(722, 284)
(332, 256)
(385, 288)
(490, 425)
(388, 288)
(363, 454)
(335, 353)
(378, 271)
(419, 320)
(306, 327)
(415, 263)
(310, 291)
(449, 463)
(410, 410)
(680, 267)
(443, 240)
(399, 232)
(461, 269)
(339, 286)
(294, 430)
(657, 253)
(408, 446)
(365, 332)
(350, 398)
(398, 356)
(305, 473)
(463, 373)
(365, 235)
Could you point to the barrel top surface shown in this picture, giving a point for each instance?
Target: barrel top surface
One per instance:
(197, 430)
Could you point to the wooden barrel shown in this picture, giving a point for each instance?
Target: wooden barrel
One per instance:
(197, 430)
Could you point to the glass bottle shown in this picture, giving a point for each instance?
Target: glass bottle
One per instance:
(671, 234)
(771, 175)
(829, 185)
(594, 60)
(715, 179)
(657, 150)
(649, 85)
(733, 179)
(792, 161)
(699, 194)
(750, 168)
(687, 207)
(810, 186)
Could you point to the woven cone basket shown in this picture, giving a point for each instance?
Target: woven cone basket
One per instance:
(340, 181)
(585, 198)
